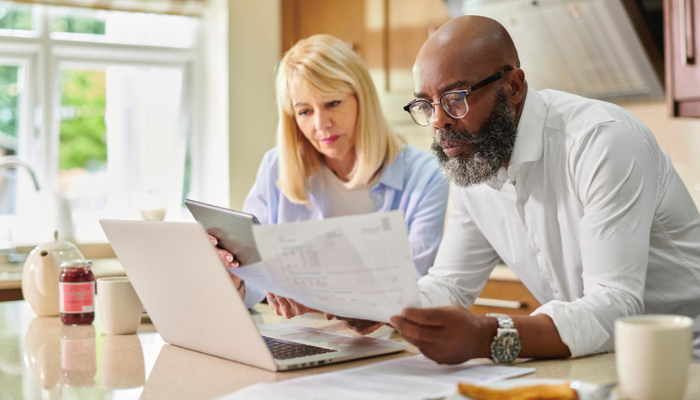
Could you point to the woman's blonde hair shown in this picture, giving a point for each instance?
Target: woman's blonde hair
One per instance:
(326, 65)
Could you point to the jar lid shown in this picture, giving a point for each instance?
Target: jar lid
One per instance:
(80, 262)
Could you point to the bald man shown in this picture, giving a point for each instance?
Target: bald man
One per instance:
(573, 194)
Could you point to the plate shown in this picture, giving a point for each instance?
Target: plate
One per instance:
(585, 389)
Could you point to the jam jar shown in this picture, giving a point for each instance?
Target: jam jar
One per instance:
(76, 288)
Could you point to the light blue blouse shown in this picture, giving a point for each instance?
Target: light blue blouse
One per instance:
(412, 183)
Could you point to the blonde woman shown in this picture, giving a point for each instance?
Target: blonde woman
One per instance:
(336, 155)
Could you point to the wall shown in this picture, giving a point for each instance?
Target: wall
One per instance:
(679, 137)
(254, 49)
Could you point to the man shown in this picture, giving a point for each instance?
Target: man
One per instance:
(574, 195)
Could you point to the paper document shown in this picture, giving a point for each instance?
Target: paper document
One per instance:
(358, 266)
(406, 378)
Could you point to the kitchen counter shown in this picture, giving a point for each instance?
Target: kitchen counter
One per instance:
(11, 276)
(40, 358)
(106, 264)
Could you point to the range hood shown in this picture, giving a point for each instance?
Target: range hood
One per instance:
(594, 48)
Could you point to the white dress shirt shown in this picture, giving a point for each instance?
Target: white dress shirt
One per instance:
(591, 216)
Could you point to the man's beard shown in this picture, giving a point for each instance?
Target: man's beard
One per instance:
(490, 147)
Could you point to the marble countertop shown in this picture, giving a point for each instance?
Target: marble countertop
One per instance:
(41, 358)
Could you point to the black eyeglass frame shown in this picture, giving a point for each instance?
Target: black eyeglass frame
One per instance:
(462, 93)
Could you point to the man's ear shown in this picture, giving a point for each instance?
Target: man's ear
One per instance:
(516, 87)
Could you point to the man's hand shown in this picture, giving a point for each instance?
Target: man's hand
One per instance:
(448, 335)
(229, 261)
(285, 307)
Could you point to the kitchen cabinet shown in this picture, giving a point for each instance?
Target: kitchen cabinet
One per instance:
(681, 38)
(340, 18)
(387, 34)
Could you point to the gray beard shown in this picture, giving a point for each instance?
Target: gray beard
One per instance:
(490, 147)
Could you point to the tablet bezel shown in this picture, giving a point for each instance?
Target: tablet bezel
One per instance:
(233, 229)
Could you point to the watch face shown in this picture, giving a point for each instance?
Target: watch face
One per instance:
(505, 347)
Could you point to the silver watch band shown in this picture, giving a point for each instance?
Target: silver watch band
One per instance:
(504, 321)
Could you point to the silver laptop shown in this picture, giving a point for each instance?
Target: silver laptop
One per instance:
(193, 303)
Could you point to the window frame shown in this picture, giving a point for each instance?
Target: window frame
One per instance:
(39, 119)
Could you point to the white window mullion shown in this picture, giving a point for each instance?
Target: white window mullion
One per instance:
(48, 127)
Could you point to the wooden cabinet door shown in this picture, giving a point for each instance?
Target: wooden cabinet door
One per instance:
(387, 34)
(344, 19)
(681, 35)
(409, 23)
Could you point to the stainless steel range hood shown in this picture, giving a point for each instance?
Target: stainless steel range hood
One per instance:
(595, 48)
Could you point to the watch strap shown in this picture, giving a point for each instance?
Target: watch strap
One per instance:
(504, 321)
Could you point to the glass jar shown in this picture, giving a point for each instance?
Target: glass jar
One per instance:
(76, 288)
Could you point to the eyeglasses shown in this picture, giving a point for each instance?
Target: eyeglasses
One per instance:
(454, 103)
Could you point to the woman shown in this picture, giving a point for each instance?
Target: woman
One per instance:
(336, 155)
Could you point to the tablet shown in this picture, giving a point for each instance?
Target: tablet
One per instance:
(234, 229)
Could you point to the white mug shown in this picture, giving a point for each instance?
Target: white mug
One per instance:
(119, 306)
(653, 355)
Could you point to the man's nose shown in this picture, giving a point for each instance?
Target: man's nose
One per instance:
(440, 118)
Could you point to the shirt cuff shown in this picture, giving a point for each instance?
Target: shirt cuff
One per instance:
(578, 328)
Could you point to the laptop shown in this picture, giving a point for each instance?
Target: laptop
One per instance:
(234, 229)
(193, 303)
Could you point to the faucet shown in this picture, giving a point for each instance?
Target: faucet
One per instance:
(11, 252)
(12, 161)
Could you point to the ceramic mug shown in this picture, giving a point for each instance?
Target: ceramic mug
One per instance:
(653, 355)
(119, 306)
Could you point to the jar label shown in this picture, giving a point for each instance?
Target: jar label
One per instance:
(76, 298)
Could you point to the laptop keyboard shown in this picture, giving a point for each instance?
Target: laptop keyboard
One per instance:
(284, 350)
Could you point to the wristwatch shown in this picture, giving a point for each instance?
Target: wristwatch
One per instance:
(506, 344)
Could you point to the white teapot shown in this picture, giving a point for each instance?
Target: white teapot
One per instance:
(41, 272)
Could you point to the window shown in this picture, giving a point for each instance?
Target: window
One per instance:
(100, 105)
(11, 79)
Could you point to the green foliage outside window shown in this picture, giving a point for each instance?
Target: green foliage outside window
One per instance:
(79, 24)
(83, 142)
(15, 16)
(8, 108)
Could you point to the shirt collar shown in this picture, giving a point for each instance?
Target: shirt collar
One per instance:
(529, 140)
(392, 174)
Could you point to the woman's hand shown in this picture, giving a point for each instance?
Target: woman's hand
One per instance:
(285, 307)
(229, 261)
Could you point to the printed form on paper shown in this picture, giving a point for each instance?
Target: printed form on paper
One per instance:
(357, 266)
